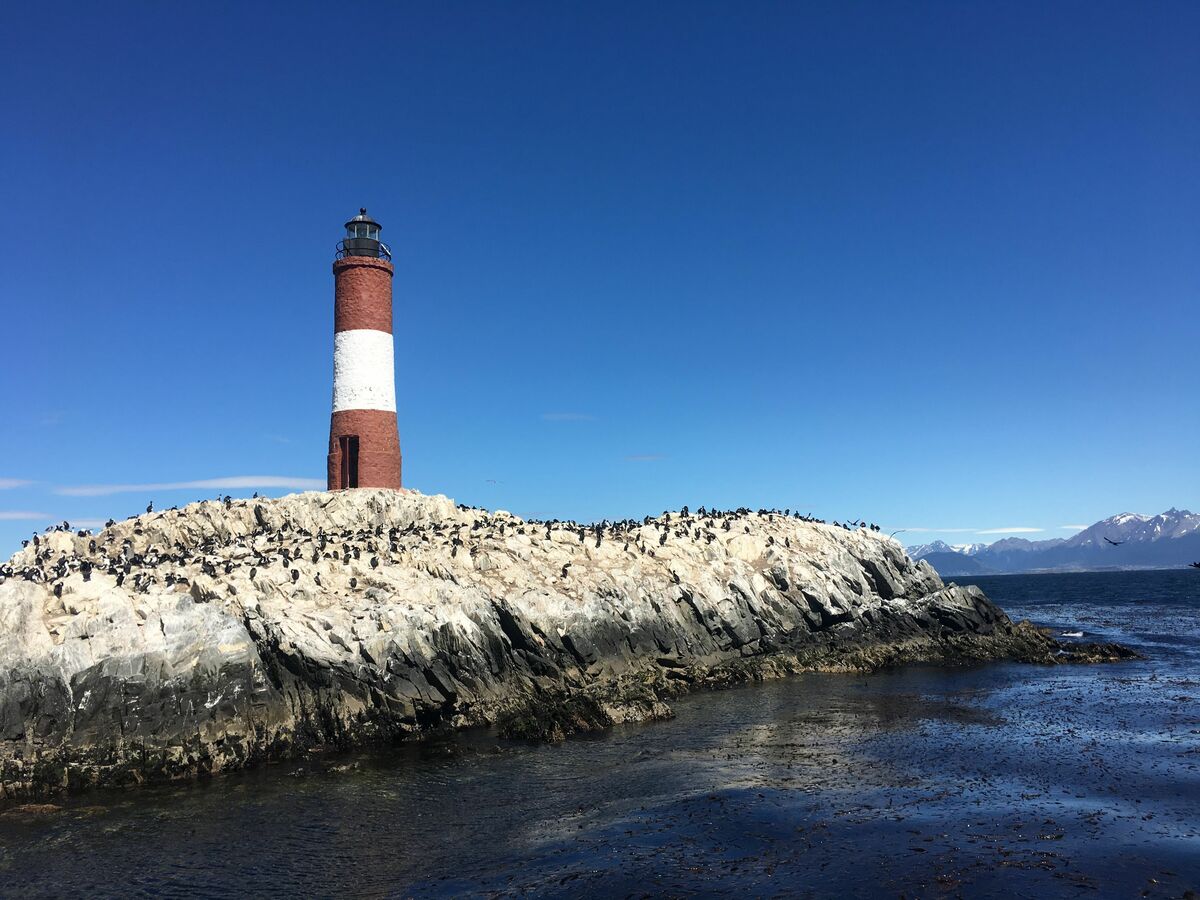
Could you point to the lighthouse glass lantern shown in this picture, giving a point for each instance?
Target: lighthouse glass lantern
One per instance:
(362, 238)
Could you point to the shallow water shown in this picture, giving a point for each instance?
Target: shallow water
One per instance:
(993, 781)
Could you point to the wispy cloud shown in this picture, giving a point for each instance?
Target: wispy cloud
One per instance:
(1015, 529)
(231, 483)
(1073, 527)
(645, 457)
(23, 515)
(7, 483)
(567, 417)
(941, 530)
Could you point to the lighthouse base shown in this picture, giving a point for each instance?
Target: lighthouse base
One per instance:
(364, 449)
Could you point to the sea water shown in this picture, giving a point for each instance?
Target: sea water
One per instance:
(998, 780)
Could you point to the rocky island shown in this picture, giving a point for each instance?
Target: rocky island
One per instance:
(186, 642)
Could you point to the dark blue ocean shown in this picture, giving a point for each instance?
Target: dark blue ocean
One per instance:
(991, 781)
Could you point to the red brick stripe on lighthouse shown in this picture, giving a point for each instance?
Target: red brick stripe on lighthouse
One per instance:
(362, 294)
(378, 447)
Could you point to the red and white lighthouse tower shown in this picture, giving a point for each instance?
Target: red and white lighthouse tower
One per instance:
(364, 442)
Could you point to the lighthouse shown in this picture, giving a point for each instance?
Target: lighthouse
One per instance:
(364, 442)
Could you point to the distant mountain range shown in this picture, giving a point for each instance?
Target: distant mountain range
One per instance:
(1168, 540)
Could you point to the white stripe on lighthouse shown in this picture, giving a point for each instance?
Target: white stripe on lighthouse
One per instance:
(363, 370)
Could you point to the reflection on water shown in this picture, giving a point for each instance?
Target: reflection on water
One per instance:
(994, 781)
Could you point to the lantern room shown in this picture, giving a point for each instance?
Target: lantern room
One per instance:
(362, 238)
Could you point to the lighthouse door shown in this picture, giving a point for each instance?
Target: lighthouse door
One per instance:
(349, 448)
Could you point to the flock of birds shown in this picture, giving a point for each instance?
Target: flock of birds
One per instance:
(288, 545)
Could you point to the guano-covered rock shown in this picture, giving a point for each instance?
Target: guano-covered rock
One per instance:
(191, 641)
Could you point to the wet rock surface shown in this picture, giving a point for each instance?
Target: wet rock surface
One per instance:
(192, 641)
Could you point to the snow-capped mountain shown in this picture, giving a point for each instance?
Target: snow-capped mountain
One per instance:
(1174, 523)
(922, 550)
(1124, 541)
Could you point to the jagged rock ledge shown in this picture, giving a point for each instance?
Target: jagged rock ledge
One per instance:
(187, 642)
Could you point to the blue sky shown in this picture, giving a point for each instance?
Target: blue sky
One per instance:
(934, 265)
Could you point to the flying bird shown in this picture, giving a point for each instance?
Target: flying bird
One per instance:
(1195, 565)
(1114, 543)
